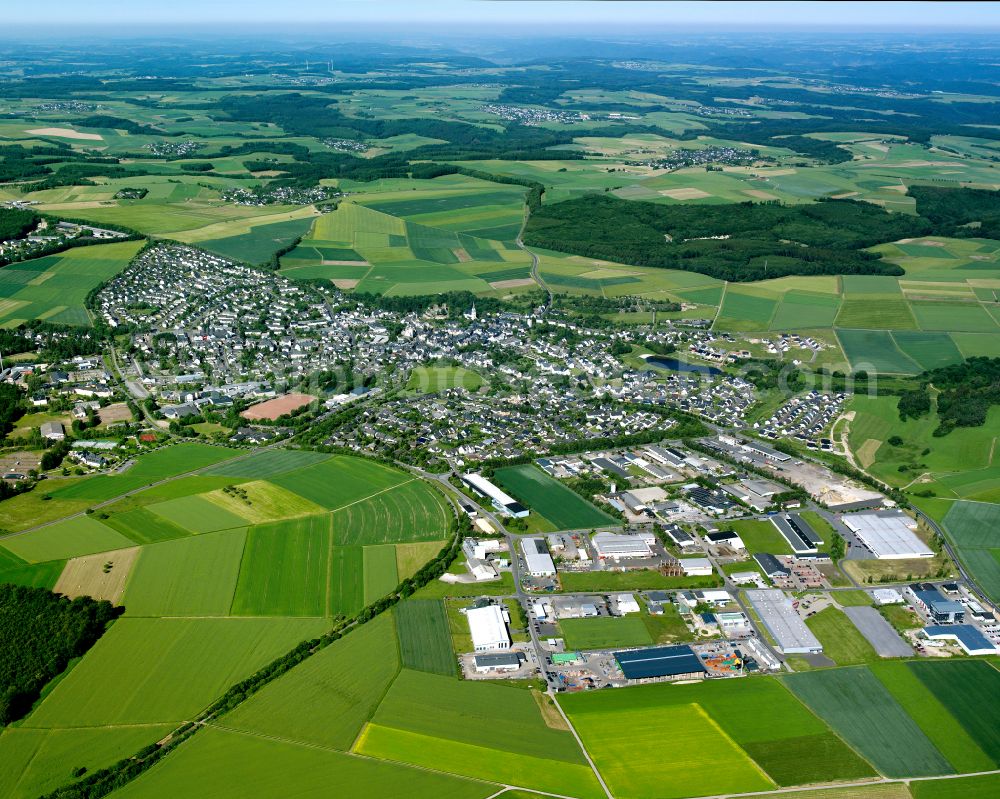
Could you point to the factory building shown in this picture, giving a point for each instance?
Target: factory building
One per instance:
(537, 560)
(659, 663)
(786, 627)
(936, 607)
(488, 626)
(615, 546)
(887, 537)
(502, 661)
(969, 638)
(696, 567)
(502, 501)
(797, 532)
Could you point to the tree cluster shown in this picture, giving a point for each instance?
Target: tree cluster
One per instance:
(40, 632)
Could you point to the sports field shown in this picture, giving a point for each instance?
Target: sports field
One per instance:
(550, 499)
(433, 379)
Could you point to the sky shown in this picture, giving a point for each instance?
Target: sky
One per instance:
(545, 17)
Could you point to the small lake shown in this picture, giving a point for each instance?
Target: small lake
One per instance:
(681, 366)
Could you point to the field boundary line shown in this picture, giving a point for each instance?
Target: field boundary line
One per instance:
(722, 299)
(855, 784)
(583, 748)
(360, 756)
(371, 496)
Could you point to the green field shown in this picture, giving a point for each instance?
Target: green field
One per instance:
(230, 765)
(842, 642)
(550, 499)
(38, 575)
(760, 716)
(932, 715)
(148, 671)
(347, 585)
(143, 526)
(475, 729)
(81, 535)
(875, 351)
(433, 379)
(260, 501)
(34, 762)
(193, 576)
(268, 463)
(624, 738)
(984, 787)
(54, 288)
(424, 642)
(149, 468)
(412, 511)
(259, 244)
(968, 689)
(860, 709)
(380, 571)
(198, 514)
(340, 481)
(972, 528)
(285, 569)
(327, 699)
(605, 632)
(760, 535)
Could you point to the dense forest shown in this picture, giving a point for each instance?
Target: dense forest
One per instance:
(14, 223)
(959, 212)
(746, 241)
(40, 632)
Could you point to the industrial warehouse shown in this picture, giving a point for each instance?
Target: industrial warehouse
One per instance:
(887, 537)
(502, 501)
(789, 631)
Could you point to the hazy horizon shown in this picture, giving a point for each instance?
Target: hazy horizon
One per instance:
(314, 17)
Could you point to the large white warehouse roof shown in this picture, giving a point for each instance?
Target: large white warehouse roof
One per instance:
(888, 537)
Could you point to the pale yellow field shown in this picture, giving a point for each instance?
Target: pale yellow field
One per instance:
(410, 557)
(686, 193)
(88, 576)
(265, 502)
(65, 133)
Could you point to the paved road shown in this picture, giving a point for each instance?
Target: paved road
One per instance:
(534, 260)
